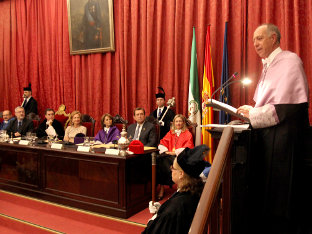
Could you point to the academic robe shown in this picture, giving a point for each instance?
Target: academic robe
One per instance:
(112, 135)
(31, 106)
(164, 161)
(283, 87)
(167, 120)
(55, 124)
(175, 215)
(172, 141)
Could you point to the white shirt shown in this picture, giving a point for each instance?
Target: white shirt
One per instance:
(267, 61)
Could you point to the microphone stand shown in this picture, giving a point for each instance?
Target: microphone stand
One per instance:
(224, 85)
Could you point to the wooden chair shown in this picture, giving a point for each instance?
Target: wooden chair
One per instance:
(62, 116)
(89, 123)
(154, 121)
(119, 122)
(192, 128)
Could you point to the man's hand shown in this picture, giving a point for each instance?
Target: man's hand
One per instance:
(244, 110)
(17, 134)
(170, 153)
(153, 207)
(50, 122)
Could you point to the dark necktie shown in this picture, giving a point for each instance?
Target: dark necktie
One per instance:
(19, 125)
(24, 104)
(159, 113)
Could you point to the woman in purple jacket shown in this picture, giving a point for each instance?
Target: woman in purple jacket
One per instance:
(109, 133)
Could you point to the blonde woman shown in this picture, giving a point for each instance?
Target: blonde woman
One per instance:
(75, 127)
(174, 142)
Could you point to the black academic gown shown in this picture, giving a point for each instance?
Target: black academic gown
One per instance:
(167, 120)
(274, 169)
(55, 124)
(31, 106)
(175, 215)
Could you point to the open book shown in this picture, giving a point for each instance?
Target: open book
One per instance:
(216, 105)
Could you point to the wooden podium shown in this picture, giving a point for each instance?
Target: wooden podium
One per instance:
(240, 161)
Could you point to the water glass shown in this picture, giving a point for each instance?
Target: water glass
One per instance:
(86, 141)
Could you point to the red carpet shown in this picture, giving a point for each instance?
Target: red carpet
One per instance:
(20, 214)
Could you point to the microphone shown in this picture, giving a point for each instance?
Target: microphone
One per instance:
(225, 84)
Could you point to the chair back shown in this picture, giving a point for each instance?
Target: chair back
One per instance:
(89, 123)
(36, 124)
(62, 116)
(154, 121)
(192, 128)
(119, 122)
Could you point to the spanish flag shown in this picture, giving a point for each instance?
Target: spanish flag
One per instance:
(208, 88)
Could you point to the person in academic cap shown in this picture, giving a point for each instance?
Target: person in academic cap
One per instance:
(160, 111)
(29, 103)
(176, 214)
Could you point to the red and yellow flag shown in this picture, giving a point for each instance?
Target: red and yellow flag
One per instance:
(208, 88)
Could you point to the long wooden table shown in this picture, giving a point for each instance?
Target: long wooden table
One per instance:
(113, 185)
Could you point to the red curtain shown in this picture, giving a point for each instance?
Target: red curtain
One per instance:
(153, 45)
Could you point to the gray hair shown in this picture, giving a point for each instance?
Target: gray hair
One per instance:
(273, 29)
(19, 107)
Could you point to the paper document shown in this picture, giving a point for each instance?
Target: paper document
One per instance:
(225, 107)
(239, 126)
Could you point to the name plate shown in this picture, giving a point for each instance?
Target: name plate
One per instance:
(112, 151)
(83, 148)
(56, 146)
(23, 142)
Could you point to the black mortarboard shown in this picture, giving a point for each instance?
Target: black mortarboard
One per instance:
(28, 88)
(161, 93)
(192, 160)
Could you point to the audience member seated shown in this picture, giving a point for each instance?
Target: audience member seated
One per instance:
(175, 141)
(142, 130)
(109, 133)
(7, 118)
(75, 127)
(29, 103)
(176, 214)
(50, 126)
(19, 126)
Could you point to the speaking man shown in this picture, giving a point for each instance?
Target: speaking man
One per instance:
(280, 115)
(19, 126)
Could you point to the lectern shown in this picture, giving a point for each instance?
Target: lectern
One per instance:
(240, 168)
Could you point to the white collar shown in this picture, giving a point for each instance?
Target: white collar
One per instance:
(178, 131)
(271, 57)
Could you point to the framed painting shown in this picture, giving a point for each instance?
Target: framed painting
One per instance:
(91, 26)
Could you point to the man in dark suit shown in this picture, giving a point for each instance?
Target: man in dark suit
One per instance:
(20, 125)
(7, 118)
(160, 111)
(29, 103)
(142, 130)
(50, 126)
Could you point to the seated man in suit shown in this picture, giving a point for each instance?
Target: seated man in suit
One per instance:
(142, 130)
(29, 103)
(20, 125)
(50, 126)
(7, 118)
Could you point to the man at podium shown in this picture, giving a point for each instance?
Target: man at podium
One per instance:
(279, 116)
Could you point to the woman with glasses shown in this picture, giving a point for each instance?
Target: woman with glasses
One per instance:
(109, 133)
(174, 142)
(176, 214)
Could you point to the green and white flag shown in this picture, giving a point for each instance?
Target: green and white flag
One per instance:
(193, 97)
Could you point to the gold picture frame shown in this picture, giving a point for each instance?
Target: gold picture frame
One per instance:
(90, 26)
